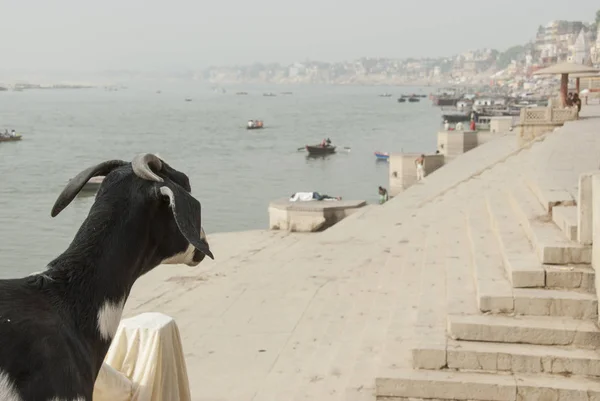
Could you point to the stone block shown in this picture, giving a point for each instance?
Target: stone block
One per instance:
(528, 330)
(537, 302)
(447, 385)
(309, 216)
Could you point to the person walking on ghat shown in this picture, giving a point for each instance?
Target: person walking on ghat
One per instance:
(419, 163)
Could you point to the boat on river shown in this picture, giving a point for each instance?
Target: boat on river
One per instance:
(382, 155)
(255, 124)
(10, 138)
(320, 150)
(401, 100)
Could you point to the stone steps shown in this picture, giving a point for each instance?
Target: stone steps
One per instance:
(450, 385)
(549, 198)
(494, 292)
(524, 330)
(510, 358)
(522, 358)
(549, 241)
(565, 217)
(522, 266)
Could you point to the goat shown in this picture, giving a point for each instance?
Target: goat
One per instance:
(56, 326)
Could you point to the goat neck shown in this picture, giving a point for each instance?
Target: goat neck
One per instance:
(96, 273)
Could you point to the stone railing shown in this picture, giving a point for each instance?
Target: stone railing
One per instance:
(547, 115)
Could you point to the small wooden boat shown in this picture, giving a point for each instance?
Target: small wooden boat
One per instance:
(188, 99)
(320, 150)
(256, 124)
(241, 93)
(385, 95)
(414, 99)
(382, 155)
(401, 100)
(269, 94)
(11, 138)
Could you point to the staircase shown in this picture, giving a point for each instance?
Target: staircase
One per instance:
(534, 333)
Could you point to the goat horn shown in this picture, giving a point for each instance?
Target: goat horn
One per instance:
(144, 163)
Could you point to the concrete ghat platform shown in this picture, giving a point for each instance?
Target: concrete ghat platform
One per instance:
(348, 313)
(310, 216)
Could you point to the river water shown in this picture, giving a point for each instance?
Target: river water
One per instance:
(234, 172)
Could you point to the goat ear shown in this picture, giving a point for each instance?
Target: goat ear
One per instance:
(75, 184)
(186, 211)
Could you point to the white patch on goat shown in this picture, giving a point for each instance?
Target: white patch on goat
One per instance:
(109, 317)
(7, 389)
(184, 257)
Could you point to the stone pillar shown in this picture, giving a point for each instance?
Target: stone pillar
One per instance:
(455, 143)
(585, 206)
(403, 171)
(596, 231)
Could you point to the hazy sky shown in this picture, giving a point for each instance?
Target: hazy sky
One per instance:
(179, 34)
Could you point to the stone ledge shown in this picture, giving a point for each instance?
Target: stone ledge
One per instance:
(549, 198)
(520, 358)
(494, 292)
(551, 245)
(467, 386)
(580, 277)
(310, 216)
(522, 266)
(524, 330)
(565, 217)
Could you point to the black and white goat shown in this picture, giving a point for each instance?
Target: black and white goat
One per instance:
(56, 326)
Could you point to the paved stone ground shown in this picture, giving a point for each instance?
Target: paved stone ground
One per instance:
(284, 316)
(572, 150)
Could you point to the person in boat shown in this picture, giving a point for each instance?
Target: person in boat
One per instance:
(13, 133)
(383, 195)
(459, 126)
(446, 125)
(312, 196)
(250, 123)
(328, 142)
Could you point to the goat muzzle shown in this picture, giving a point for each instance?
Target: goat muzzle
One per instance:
(144, 164)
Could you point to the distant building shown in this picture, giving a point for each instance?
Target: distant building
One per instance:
(580, 51)
(595, 50)
(555, 41)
